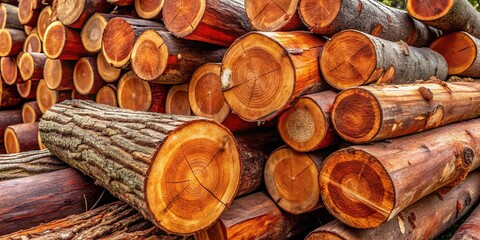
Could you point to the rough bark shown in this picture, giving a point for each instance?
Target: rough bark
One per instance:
(8, 96)
(177, 100)
(33, 43)
(372, 113)
(46, 97)
(270, 16)
(31, 65)
(43, 21)
(58, 74)
(63, 43)
(425, 219)
(86, 78)
(352, 58)
(75, 13)
(218, 22)
(7, 118)
(26, 164)
(365, 186)
(107, 95)
(9, 17)
(470, 228)
(21, 137)
(31, 112)
(11, 41)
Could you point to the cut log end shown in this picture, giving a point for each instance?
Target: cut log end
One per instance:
(5, 42)
(291, 179)
(182, 18)
(117, 42)
(46, 98)
(30, 113)
(33, 43)
(188, 194)
(205, 93)
(177, 101)
(26, 13)
(27, 89)
(108, 73)
(302, 126)
(53, 73)
(107, 95)
(268, 15)
(357, 115)
(459, 49)
(9, 70)
(149, 9)
(430, 9)
(43, 20)
(324, 235)
(134, 93)
(26, 65)
(69, 12)
(356, 188)
(55, 38)
(83, 77)
(257, 79)
(149, 56)
(3, 16)
(92, 33)
(319, 15)
(356, 64)
(11, 141)
(40, 143)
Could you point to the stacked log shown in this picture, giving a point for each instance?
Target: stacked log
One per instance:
(28, 164)
(470, 228)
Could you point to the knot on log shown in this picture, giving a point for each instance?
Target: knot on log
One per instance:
(464, 160)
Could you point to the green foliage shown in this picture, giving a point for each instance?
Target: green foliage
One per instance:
(401, 3)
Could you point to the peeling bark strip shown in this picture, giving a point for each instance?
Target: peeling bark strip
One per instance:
(27, 164)
(30, 201)
(113, 221)
(371, 113)
(447, 15)
(424, 219)
(471, 227)
(271, 15)
(365, 186)
(180, 172)
(352, 58)
(328, 17)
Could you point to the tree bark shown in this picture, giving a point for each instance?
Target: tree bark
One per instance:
(470, 228)
(284, 67)
(328, 17)
(107, 95)
(9, 69)
(8, 96)
(151, 161)
(425, 219)
(9, 17)
(58, 74)
(26, 164)
(306, 126)
(86, 78)
(46, 97)
(119, 37)
(371, 113)
(177, 100)
(7, 118)
(353, 58)
(27, 14)
(32, 43)
(92, 31)
(75, 13)
(31, 65)
(218, 22)
(63, 43)
(43, 21)
(31, 112)
(149, 9)
(44, 197)
(365, 186)
(108, 73)
(27, 89)
(11, 42)
(448, 16)
(21, 137)
(163, 58)
(270, 16)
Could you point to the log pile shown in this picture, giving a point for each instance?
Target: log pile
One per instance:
(181, 109)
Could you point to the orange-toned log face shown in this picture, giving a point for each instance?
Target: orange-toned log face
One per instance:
(11, 141)
(43, 20)
(107, 95)
(148, 9)
(25, 89)
(92, 33)
(3, 16)
(270, 15)
(9, 69)
(26, 66)
(83, 76)
(46, 98)
(317, 14)
(149, 56)
(459, 49)
(429, 9)
(55, 37)
(134, 93)
(117, 43)
(25, 11)
(183, 16)
(33, 43)
(53, 73)
(5, 42)
(28, 114)
(107, 72)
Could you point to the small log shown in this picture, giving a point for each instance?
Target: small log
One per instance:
(26, 164)
(425, 219)
(27, 15)
(27, 29)
(448, 16)
(11, 2)
(36, 4)
(150, 9)
(27, 89)
(119, 37)
(85, 76)
(246, 219)
(218, 22)
(352, 58)
(8, 118)
(75, 13)
(471, 227)
(31, 65)
(40, 143)
(329, 17)
(462, 52)
(11, 42)
(63, 43)
(122, 3)
(46, 98)
(108, 73)
(306, 126)
(21, 137)
(136, 94)
(43, 21)
(32, 42)
(9, 17)
(45, 197)
(291, 179)
(270, 16)
(160, 56)
(9, 69)
(284, 67)
(206, 98)
(58, 74)
(372, 113)
(31, 112)
(9, 96)
(177, 101)
(158, 165)
(92, 31)
(365, 186)
(107, 95)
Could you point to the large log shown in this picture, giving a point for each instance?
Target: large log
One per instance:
(352, 58)
(27, 14)
(256, 217)
(177, 100)
(372, 113)
(119, 37)
(107, 95)
(213, 21)
(26, 164)
(470, 228)
(8, 96)
(44, 197)
(136, 94)
(448, 15)
(7, 118)
(462, 52)
(27, 89)
(166, 162)
(108, 73)
(63, 43)
(58, 74)
(291, 179)
(270, 16)
(306, 125)
(9, 69)
(31, 65)
(85, 76)
(425, 219)
(92, 31)
(46, 97)
(365, 186)
(21, 137)
(75, 13)
(328, 17)
(43, 21)
(11, 41)
(160, 56)
(151, 9)
(33, 43)
(262, 73)
(9, 17)
(31, 112)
